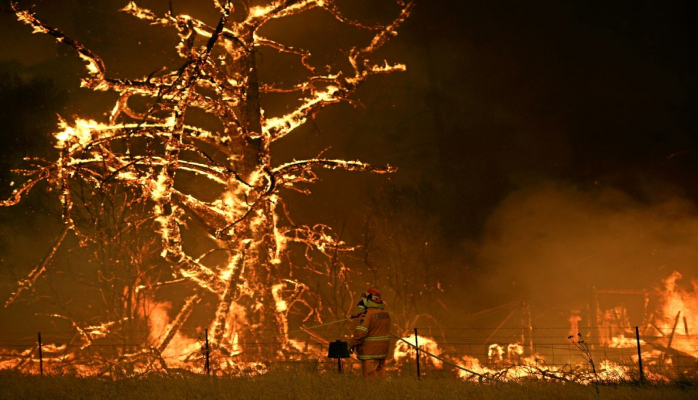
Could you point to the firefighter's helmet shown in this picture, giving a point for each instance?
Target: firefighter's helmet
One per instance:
(374, 295)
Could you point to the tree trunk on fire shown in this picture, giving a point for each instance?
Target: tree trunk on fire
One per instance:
(143, 152)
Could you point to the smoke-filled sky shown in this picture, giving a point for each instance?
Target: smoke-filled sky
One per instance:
(543, 146)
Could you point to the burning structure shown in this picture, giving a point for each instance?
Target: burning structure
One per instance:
(666, 323)
(206, 197)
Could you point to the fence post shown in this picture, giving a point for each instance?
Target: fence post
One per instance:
(416, 346)
(639, 354)
(41, 357)
(207, 365)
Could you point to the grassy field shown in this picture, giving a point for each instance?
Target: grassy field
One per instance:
(300, 385)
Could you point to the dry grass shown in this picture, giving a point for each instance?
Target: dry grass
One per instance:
(301, 385)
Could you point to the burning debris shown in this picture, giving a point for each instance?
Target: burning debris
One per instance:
(669, 317)
(139, 163)
(608, 352)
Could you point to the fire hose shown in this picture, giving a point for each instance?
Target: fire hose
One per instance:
(305, 329)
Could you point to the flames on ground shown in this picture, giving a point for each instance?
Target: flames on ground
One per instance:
(668, 349)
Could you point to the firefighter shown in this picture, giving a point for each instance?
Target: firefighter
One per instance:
(371, 337)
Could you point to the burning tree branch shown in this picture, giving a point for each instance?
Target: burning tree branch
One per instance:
(146, 152)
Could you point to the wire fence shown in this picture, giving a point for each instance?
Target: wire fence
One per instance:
(477, 349)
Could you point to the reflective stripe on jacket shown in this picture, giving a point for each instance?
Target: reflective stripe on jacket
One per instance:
(372, 334)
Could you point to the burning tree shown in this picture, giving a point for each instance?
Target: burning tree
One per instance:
(142, 161)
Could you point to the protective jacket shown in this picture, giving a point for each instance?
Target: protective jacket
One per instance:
(372, 334)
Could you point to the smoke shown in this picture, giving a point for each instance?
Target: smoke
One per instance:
(551, 243)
